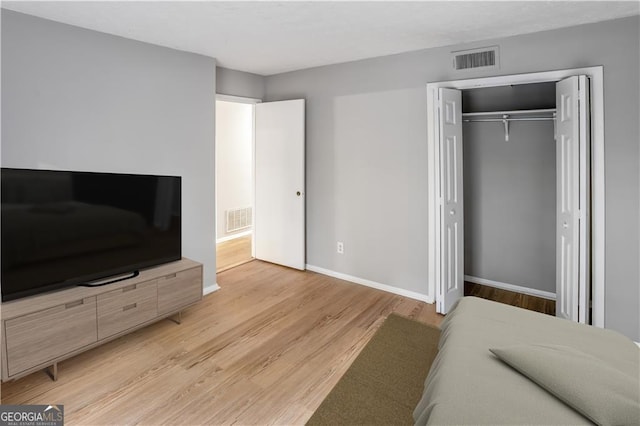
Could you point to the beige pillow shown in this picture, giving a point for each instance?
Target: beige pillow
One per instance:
(600, 392)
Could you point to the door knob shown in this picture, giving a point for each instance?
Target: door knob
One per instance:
(298, 193)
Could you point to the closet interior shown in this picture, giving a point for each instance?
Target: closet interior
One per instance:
(509, 162)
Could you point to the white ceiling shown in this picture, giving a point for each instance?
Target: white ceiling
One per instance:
(273, 37)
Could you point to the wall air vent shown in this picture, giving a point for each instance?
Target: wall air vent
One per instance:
(484, 57)
(238, 219)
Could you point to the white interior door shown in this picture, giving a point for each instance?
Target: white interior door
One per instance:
(451, 199)
(573, 177)
(279, 227)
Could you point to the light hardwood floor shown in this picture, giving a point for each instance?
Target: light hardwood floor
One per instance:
(264, 349)
(232, 253)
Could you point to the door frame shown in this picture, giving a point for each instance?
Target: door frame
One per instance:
(252, 101)
(597, 172)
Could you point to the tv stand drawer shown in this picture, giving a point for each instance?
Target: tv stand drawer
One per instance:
(178, 290)
(127, 307)
(36, 338)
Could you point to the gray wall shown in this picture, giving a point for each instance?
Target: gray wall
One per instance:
(510, 189)
(239, 83)
(82, 100)
(510, 203)
(367, 155)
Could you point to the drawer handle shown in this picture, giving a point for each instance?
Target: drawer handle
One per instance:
(129, 288)
(168, 277)
(131, 306)
(74, 304)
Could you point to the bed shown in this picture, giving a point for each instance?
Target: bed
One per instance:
(545, 370)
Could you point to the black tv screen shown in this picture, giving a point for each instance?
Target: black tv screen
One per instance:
(63, 228)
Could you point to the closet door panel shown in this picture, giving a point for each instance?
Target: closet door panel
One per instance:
(572, 246)
(451, 194)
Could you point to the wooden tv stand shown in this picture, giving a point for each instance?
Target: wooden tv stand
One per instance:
(39, 331)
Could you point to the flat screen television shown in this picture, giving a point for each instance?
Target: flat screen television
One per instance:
(65, 228)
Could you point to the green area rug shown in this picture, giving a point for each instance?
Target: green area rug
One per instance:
(386, 380)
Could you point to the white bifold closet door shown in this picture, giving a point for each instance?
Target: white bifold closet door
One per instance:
(451, 199)
(572, 195)
(279, 226)
(573, 173)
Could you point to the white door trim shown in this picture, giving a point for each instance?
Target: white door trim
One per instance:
(597, 171)
(238, 99)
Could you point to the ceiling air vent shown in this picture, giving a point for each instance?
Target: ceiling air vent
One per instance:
(484, 57)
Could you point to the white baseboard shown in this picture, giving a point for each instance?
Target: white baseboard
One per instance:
(511, 287)
(372, 284)
(234, 236)
(210, 289)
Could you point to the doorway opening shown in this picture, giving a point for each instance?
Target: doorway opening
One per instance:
(509, 181)
(234, 181)
(260, 182)
(573, 257)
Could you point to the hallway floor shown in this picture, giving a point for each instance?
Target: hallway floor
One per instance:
(232, 253)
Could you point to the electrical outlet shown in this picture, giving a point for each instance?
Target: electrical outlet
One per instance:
(340, 247)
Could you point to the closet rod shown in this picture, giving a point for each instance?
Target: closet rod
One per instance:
(505, 119)
(513, 112)
(500, 120)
